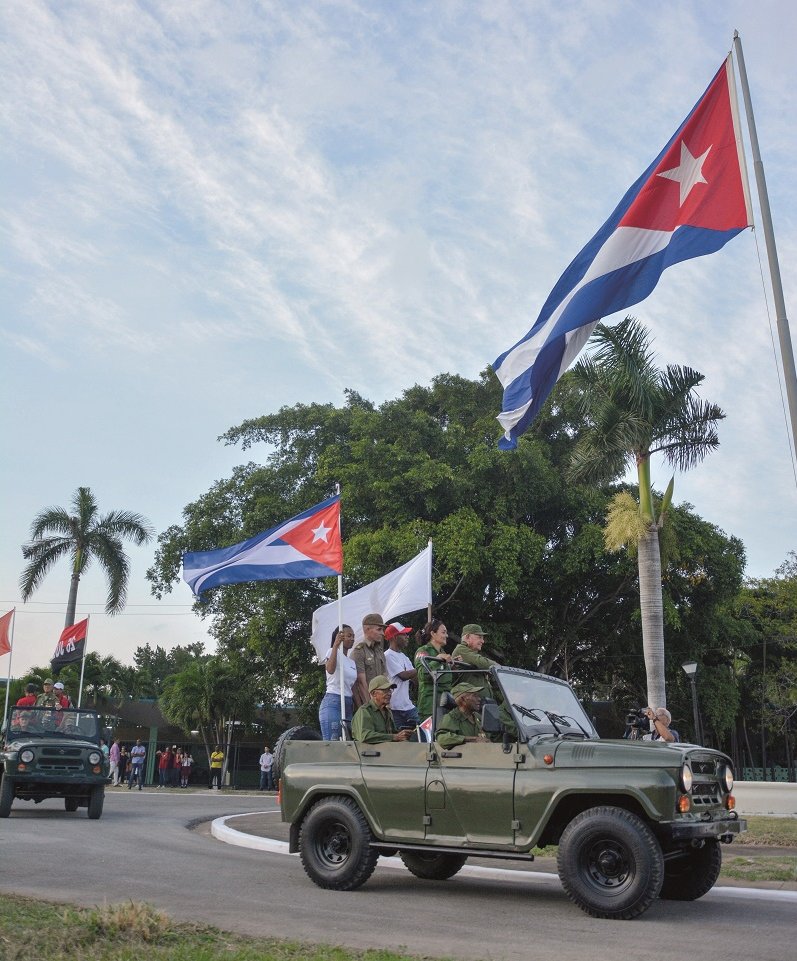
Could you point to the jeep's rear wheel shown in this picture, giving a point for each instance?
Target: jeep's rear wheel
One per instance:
(299, 733)
(610, 863)
(6, 796)
(71, 803)
(690, 877)
(433, 867)
(96, 801)
(335, 845)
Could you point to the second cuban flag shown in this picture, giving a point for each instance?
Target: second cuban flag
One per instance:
(307, 545)
(690, 201)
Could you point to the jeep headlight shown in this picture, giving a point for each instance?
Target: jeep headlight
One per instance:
(726, 777)
(26, 756)
(94, 757)
(686, 777)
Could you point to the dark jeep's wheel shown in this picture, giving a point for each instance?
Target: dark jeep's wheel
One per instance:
(334, 845)
(433, 867)
(71, 803)
(610, 863)
(300, 733)
(6, 796)
(96, 801)
(690, 877)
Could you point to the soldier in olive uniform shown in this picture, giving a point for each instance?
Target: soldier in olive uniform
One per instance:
(432, 655)
(48, 698)
(468, 651)
(373, 722)
(463, 724)
(369, 657)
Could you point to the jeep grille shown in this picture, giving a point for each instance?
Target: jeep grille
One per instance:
(61, 759)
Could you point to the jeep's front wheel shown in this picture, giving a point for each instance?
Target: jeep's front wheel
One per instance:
(433, 867)
(96, 801)
(610, 863)
(690, 877)
(6, 796)
(335, 845)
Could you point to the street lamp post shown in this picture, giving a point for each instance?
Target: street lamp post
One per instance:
(690, 667)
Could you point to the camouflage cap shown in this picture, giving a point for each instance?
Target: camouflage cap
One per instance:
(459, 689)
(48, 680)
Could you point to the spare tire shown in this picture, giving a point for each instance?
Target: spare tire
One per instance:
(300, 733)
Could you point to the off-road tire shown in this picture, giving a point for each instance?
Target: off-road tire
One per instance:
(300, 733)
(690, 877)
(6, 796)
(96, 801)
(335, 845)
(71, 803)
(433, 867)
(610, 863)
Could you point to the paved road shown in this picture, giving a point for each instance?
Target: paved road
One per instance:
(142, 849)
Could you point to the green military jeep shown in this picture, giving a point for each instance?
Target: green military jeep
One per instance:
(634, 820)
(48, 753)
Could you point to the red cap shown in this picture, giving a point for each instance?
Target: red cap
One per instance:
(395, 628)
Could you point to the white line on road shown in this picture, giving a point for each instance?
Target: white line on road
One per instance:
(229, 835)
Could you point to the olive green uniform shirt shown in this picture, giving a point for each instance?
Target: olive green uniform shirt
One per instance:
(473, 658)
(445, 679)
(370, 660)
(371, 725)
(456, 726)
(48, 700)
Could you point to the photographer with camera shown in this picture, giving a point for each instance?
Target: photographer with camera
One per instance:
(662, 719)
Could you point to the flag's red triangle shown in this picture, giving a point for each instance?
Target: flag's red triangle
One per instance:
(318, 537)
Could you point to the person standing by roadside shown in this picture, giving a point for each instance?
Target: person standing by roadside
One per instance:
(329, 709)
(138, 754)
(662, 719)
(266, 775)
(216, 762)
(369, 657)
(401, 672)
(124, 764)
(113, 758)
(164, 766)
(185, 768)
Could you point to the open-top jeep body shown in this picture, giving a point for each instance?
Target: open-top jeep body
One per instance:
(48, 753)
(634, 820)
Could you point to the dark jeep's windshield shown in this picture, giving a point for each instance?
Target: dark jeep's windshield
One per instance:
(47, 722)
(544, 705)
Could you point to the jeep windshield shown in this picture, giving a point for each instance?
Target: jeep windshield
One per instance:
(544, 705)
(47, 722)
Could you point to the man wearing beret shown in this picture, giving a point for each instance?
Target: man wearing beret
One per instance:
(468, 651)
(369, 657)
(373, 722)
(463, 724)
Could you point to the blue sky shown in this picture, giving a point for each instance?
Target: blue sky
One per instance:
(213, 209)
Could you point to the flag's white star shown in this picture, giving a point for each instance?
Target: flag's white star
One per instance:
(688, 173)
(320, 533)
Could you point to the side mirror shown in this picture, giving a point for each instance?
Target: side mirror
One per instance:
(491, 722)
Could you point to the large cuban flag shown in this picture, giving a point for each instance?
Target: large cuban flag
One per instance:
(307, 545)
(690, 201)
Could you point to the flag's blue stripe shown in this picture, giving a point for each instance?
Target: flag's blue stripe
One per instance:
(242, 573)
(611, 292)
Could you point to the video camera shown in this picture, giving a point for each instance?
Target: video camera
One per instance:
(636, 724)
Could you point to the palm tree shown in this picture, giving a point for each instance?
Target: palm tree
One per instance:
(631, 411)
(83, 536)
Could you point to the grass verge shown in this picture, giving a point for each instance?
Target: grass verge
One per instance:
(35, 930)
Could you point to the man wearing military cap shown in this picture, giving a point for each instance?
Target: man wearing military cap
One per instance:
(463, 724)
(369, 657)
(468, 651)
(373, 722)
(48, 698)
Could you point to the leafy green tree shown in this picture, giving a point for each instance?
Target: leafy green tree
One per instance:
(83, 536)
(631, 411)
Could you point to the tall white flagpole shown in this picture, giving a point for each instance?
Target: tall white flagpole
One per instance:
(10, 656)
(83, 662)
(429, 605)
(784, 335)
(341, 653)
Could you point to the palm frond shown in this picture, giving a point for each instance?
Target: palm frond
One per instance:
(110, 555)
(42, 555)
(126, 524)
(53, 520)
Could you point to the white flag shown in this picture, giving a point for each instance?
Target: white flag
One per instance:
(408, 588)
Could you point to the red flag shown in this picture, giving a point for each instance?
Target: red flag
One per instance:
(71, 644)
(5, 627)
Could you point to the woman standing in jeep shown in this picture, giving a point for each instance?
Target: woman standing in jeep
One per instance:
(431, 656)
